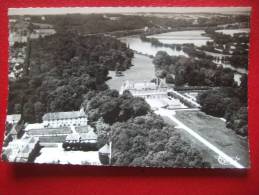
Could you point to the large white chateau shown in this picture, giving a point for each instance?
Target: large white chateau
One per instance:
(64, 119)
(158, 95)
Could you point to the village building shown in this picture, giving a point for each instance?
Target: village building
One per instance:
(28, 19)
(146, 28)
(21, 150)
(13, 118)
(16, 130)
(18, 32)
(15, 37)
(23, 30)
(12, 20)
(195, 21)
(42, 25)
(42, 32)
(114, 18)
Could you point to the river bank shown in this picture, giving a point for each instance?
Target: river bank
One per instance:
(143, 69)
(173, 42)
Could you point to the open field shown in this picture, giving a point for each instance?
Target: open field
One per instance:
(214, 130)
(206, 153)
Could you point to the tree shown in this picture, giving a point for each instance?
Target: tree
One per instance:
(39, 111)
(28, 112)
(140, 107)
(226, 102)
(242, 89)
(17, 108)
(148, 141)
(179, 79)
(63, 68)
(169, 79)
(238, 121)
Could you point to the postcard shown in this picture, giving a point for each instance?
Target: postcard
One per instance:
(128, 86)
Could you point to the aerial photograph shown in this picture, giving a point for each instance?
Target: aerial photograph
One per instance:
(128, 86)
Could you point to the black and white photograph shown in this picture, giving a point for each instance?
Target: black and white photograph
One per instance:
(128, 86)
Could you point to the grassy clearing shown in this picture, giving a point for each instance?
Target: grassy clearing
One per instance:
(214, 130)
(206, 153)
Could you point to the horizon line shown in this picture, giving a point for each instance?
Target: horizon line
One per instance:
(126, 10)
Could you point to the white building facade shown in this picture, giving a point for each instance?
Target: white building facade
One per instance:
(65, 119)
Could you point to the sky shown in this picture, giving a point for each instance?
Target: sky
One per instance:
(88, 10)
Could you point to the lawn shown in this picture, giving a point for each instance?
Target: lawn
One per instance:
(214, 130)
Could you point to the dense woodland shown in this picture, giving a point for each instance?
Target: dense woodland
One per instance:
(112, 107)
(230, 103)
(98, 23)
(148, 141)
(192, 71)
(64, 72)
(62, 68)
(139, 137)
(226, 100)
(237, 46)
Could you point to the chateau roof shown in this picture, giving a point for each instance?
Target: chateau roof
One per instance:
(63, 115)
(140, 85)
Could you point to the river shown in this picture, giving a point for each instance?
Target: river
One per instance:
(143, 68)
(234, 31)
(136, 44)
(181, 37)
